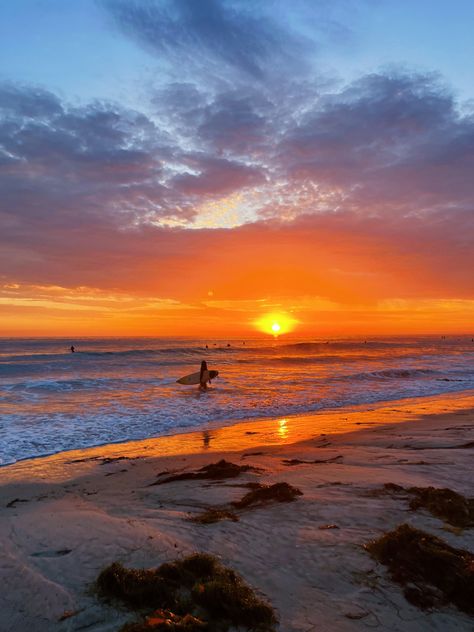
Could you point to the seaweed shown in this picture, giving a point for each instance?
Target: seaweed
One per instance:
(443, 503)
(12, 503)
(334, 459)
(181, 591)
(214, 514)
(214, 471)
(136, 588)
(259, 495)
(432, 573)
(279, 492)
(227, 597)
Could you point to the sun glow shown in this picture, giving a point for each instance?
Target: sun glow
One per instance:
(276, 324)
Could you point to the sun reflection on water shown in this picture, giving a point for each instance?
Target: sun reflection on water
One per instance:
(282, 428)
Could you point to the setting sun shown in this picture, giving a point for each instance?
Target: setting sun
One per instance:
(275, 324)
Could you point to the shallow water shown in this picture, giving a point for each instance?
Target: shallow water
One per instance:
(117, 389)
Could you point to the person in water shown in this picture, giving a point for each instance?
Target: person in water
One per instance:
(203, 379)
(72, 349)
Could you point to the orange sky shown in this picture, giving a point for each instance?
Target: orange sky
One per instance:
(334, 276)
(74, 314)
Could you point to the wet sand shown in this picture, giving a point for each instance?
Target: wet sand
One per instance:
(63, 518)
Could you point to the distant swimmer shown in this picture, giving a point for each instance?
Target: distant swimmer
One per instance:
(72, 349)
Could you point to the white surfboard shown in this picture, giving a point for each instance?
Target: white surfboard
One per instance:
(194, 378)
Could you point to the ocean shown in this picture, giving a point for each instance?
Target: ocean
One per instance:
(118, 389)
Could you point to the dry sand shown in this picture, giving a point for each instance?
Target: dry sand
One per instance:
(63, 518)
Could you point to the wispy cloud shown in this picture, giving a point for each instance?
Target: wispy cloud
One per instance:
(214, 34)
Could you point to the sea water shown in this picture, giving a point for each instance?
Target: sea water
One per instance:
(116, 389)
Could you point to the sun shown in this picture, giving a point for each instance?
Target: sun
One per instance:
(276, 323)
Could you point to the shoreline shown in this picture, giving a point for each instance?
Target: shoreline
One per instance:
(296, 428)
(122, 392)
(63, 518)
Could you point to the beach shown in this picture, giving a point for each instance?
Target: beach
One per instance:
(67, 516)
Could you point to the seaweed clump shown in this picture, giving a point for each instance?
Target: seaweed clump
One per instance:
(443, 503)
(290, 462)
(136, 588)
(213, 514)
(279, 492)
(183, 590)
(214, 471)
(260, 495)
(432, 573)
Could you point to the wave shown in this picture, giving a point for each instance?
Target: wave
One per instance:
(397, 374)
(127, 353)
(407, 374)
(346, 345)
(79, 384)
(315, 359)
(454, 375)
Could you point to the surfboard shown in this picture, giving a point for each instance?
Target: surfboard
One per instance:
(193, 378)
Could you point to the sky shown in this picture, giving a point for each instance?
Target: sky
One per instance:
(201, 167)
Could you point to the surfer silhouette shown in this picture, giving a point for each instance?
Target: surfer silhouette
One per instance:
(203, 379)
(72, 349)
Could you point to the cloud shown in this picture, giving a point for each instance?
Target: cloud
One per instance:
(239, 122)
(356, 196)
(216, 176)
(69, 163)
(388, 142)
(343, 257)
(212, 34)
(100, 164)
(32, 103)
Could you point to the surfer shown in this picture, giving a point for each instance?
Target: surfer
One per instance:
(203, 379)
(72, 349)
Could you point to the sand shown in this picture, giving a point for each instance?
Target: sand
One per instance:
(63, 518)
